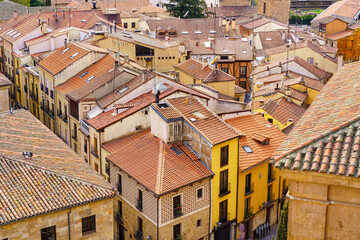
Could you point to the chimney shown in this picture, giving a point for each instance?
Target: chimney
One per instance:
(182, 47)
(52, 43)
(39, 22)
(227, 26)
(233, 23)
(223, 23)
(157, 96)
(65, 42)
(340, 61)
(15, 14)
(27, 10)
(143, 74)
(288, 94)
(94, 4)
(63, 13)
(283, 35)
(277, 87)
(204, 63)
(166, 36)
(43, 27)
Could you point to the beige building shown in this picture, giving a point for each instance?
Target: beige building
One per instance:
(5, 84)
(59, 195)
(319, 158)
(277, 9)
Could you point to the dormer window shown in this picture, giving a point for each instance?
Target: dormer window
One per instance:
(263, 140)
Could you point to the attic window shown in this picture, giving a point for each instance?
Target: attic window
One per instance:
(67, 49)
(184, 32)
(263, 140)
(90, 78)
(176, 150)
(268, 39)
(197, 32)
(123, 90)
(75, 54)
(17, 35)
(198, 114)
(247, 149)
(212, 32)
(83, 74)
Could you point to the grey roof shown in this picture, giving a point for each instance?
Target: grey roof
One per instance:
(7, 8)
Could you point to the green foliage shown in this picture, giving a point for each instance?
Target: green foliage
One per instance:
(282, 228)
(302, 19)
(186, 8)
(36, 3)
(22, 2)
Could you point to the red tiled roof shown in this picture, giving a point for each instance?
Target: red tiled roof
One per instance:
(298, 95)
(45, 37)
(255, 23)
(28, 190)
(255, 127)
(59, 60)
(166, 111)
(210, 126)
(337, 104)
(4, 81)
(156, 166)
(117, 144)
(340, 35)
(21, 29)
(6, 25)
(271, 39)
(345, 8)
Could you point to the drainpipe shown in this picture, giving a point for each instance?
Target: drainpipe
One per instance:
(69, 224)
(157, 219)
(210, 223)
(237, 189)
(278, 206)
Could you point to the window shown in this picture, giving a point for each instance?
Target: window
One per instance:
(226, 70)
(270, 197)
(48, 233)
(247, 208)
(95, 148)
(96, 167)
(125, 25)
(85, 146)
(177, 232)
(139, 230)
(224, 183)
(88, 224)
(177, 206)
(139, 204)
(264, 9)
(270, 120)
(119, 186)
(247, 149)
(271, 173)
(199, 193)
(198, 223)
(132, 25)
(243, 71)
(310, 60)
(223, 211)
(322, 27)
(224, 158)
(248, 187)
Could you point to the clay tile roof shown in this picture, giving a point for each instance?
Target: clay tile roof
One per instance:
(157, 166)
(21, 29)
(282, 110)
(312, 68)
(255, 23)
(301, 96)
(308, 82)
(62, 58)
(97, 69)
(271, 39)
(218, 76)
(259, 137)
(207, 123)
(4, 81)
(45, 37)
(115, 145)
(6, 25)
(166, 111)
(255, 127)
(239, 90)
(151, 9)
(337, 105)
(345, 8)
(340, 35)
(28, 190)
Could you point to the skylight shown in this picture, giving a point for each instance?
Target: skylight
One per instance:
(123, 90)
(18, 34)
(184, 32)
(243, 51)
(197, 32)
(67, 49)
(268, 39)
(10, 32)
(74, 55)
(212, 32)
(244, 39)
(247, 149)
(176, 150)
(13, 33)
(268, 125)
(83, 74)
(198, 114)
(90, 78)
(192, 119)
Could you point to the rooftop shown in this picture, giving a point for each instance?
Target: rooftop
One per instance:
(210, 126)
(21, 29)
(345, 8)
(271, 39)
(4, 81)
(255, 129)
(156, 165)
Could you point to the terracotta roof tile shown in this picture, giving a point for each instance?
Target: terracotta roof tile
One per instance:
(62, 58)
(207, 123)
(345, 8)
(45, 37)
(117, 144)
(340, 35)
(166, 111)
(271, 39)
(145, 154)
(255, 128)
(21, 29)
(4, 81)
(337, 103)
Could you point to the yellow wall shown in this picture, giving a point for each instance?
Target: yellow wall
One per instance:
(232, 179)
(349, 46)
(129, 21)
(275, 122)
(335, 27)
(312, 93)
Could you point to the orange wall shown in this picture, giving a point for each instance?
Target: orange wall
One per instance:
(335, 27)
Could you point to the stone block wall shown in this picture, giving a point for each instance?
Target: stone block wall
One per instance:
(277, 9)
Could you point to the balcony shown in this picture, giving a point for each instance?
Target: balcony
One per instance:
(224, 190)
(249, 189)
(271, 176)
(177, 211)
(46, 90)
(25, 89)
(248, 212)
(52, 94)
(94, 151)
(139, 204)
(119, 188)
(42, 87)
(224, 218)
(85, 127)
(138, 234)
(118, 218)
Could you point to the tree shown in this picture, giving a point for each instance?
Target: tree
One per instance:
(186, 8)
(282, 229)
(35, 3)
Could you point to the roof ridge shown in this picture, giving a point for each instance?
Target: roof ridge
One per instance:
(54, 172)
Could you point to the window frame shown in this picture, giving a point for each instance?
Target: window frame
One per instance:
(48, 232)
(224, 183)
(223, 211)
(202, 193)
(88, 220)
(224, 156)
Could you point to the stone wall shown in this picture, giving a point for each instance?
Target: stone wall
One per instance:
(277, 9)
(30, 228)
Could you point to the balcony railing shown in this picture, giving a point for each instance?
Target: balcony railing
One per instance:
(85, 127)
(224, 190)
(177, 211)
(271, 176)
(139, 204)
(52, 94)
(138, 234)
(248, 212)
(271, 197)
(118, 218)
(119, 188)
(25, 89)
(46, 90)
(249, 189)
(94, 151)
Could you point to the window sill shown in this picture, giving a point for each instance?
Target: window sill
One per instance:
(271, 180)
(88, 234)
(248, 193)
(224, 194)
(179, 215)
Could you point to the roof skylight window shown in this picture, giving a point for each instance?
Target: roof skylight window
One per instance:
(13, 33)
(197, 32)
(18, 34)
(244, 39)
(268, 39)
(192, 119)
(198, 114)
(67, 49)
(176, 150)
(83, 74)
(75, 54)
(184, 32)
(10, 32)
(212, 32)
(247, 149)
(268, 125)
(90, 78)
(243, 51)
(123, 90)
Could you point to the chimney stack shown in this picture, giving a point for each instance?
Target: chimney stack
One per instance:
(340, 61)
(233, 23)
(157, 96)
(227, 26)
(288, 94)
(143, 74)
(15, 14)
